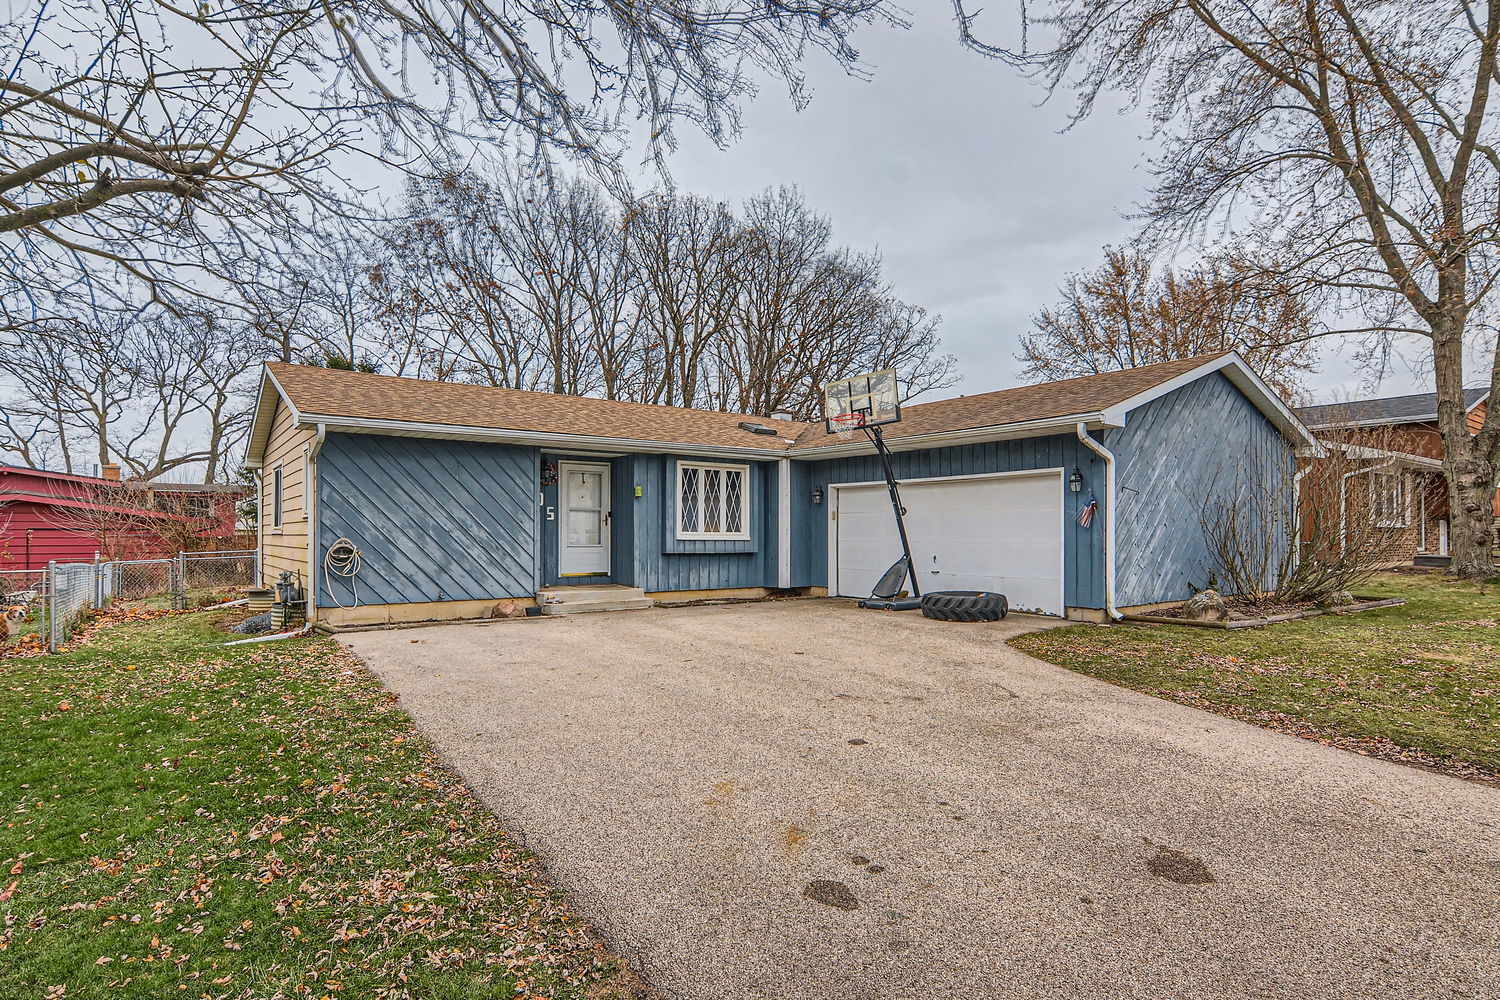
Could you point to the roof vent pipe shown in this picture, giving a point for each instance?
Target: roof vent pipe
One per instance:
(781, 415)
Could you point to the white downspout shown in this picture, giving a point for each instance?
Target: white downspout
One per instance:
(260, 525)
(1109, 518)
(784, 523)
(310, 501)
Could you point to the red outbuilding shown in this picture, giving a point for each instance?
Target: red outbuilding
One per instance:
(46, 516)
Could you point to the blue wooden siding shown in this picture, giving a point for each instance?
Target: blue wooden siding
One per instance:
(644, 549)
(442, 520)
(436, 520)
(1175, 455)
(1083, 548)
(662, 562)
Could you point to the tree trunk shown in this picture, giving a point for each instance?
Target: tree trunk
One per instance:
(1471, 494)
(1470, 475)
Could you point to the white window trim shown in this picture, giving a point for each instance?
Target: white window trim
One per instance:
(714, 536)
(1403, 483)
(278, 482)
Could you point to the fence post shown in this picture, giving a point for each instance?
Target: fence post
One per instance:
(96, 592)
(52, 642)
(180, 601)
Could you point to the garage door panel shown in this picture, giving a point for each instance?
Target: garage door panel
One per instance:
(1002, 534)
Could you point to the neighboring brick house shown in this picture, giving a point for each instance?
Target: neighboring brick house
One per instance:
(1400, 450)
(47, 516)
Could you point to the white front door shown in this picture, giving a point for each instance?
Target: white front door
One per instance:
(1001, 533)
(583, 538)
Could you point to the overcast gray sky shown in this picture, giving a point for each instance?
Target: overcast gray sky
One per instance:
(949, 164)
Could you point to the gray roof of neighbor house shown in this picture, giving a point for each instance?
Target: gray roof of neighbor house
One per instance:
(346, 400)
(1417, 408)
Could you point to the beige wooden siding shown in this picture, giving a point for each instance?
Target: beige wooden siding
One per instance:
(285, 547)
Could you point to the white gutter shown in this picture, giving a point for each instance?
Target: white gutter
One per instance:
(270, 638)
(577, 443)
(1109, 517)
(971, 435)
(310, 501)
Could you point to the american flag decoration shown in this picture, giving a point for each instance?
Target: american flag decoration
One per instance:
(1086, 515)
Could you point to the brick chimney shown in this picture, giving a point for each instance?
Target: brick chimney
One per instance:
(111, 472)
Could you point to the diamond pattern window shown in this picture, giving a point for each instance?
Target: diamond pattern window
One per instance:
(713, 502)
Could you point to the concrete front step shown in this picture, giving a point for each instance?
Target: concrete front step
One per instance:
(580, 599)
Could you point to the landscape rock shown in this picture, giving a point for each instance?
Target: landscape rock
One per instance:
(1206, 606)
(1337, 599)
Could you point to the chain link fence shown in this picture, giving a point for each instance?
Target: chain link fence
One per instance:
(21, 586)
(138, 579)
(59, 596)
(210, 577)
(73, 589)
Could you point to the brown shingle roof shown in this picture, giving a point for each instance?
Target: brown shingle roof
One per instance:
(336, 393)
(1087, 394)
(332, 392)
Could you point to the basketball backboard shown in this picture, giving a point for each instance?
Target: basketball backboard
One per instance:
(861, 401)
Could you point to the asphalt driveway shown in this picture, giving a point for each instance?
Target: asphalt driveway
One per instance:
(805, 800)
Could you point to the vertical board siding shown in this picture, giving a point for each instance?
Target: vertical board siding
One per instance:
(435, 520)
(644, 549)
(663, 562)
(1083, 548)
(1175, 457)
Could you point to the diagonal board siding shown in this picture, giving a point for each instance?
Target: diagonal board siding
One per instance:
(436, 520)
(1083, 548)
(1175, 457)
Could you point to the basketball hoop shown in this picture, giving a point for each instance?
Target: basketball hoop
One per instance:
(847, 425)
(861, 402)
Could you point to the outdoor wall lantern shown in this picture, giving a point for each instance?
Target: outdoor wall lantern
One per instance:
(1075, 481)
(818, 496)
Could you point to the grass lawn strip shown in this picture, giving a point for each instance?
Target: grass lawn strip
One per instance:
(1419, 683)
(260, 821)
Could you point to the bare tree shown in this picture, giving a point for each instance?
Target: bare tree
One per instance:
(118, 520)
(157, 394)
(1355, 144)
(1126, 314)
(686, 249)
(529, 282)
(161, 142)
(1323, 527)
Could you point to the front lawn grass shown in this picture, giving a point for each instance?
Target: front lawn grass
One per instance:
(1418, 683)
(184, 819)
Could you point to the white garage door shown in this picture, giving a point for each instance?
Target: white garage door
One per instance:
(996, 533)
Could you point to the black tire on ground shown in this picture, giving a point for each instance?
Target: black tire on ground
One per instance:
(964, 606)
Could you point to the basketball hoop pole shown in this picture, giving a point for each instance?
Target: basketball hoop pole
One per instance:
(878, 440)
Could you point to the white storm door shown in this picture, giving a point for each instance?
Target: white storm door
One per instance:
(583, 538)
